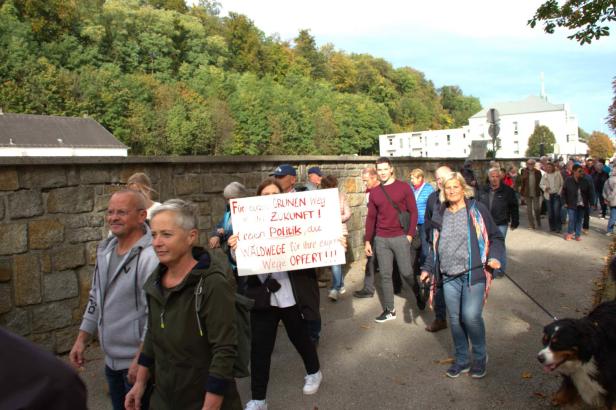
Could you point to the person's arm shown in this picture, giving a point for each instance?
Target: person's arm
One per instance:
(89, 324)
(132, 401)
(345, 215)
(370, 224)
(411, 206)
(218, 314)
(514, 210)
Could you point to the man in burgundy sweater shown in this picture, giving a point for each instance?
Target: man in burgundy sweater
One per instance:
(390, 240)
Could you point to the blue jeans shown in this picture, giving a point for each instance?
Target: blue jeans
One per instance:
(118, 386)
(465, 304)
(554, 213)
(610, 223)
(425, 246)
(576, 216)
(337, 282)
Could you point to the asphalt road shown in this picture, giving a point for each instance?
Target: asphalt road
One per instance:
(398, 365)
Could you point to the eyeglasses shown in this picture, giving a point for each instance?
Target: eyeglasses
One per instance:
(121, 212)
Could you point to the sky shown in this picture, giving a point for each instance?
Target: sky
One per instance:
(483, 46)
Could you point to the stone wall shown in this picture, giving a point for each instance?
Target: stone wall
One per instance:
(52, 217)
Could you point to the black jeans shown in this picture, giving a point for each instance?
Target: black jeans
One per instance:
(264, 326)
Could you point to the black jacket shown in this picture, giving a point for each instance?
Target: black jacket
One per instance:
(305, 290)
(504, 205)
(432, 206)
(570, 189)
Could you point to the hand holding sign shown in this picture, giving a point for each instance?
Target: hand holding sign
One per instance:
(287, 231)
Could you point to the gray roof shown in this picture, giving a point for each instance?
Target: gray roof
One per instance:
(26, 130)
(530, 104)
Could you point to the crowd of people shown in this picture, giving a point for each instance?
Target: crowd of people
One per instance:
(162, 307)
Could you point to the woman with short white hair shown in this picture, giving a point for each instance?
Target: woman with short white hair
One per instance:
(191, 341)
(466, 246)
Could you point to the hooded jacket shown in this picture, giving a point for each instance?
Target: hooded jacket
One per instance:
(609, 189)
(116, 305)
(192, 346)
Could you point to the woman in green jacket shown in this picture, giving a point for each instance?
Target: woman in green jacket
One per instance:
(191, 338)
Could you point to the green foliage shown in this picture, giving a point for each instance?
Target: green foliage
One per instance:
(600, 145)
(541, 135)
(585, 17)
(583, 135)
(166, 78)
(459, 106)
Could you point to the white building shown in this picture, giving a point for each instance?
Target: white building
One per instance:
(25, 135)
(517, 122)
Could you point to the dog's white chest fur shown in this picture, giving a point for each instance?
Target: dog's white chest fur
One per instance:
(583, 376)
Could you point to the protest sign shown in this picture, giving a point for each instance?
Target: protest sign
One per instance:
(287, 232)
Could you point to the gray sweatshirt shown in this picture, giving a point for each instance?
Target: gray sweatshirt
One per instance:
(117, 305)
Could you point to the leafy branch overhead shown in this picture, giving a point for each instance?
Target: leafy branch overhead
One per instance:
(587, 18)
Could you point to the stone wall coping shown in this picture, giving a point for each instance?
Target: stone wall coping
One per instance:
(203, 159)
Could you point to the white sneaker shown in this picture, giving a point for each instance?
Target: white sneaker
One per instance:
(333, 294)
(256, 405)
(342, 291)
(313, 381)
(609, 234)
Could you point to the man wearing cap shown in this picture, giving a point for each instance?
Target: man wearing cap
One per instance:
(287, 176)
(314, 178)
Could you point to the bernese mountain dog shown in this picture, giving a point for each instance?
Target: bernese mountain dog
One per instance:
(583, 351)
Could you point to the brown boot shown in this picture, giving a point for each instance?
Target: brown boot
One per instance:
(436, 326)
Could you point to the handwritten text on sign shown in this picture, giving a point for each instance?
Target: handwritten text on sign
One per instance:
(287, 232)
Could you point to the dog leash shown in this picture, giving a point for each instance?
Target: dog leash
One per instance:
(530, 297)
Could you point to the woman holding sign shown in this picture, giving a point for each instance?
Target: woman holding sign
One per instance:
(286, 297)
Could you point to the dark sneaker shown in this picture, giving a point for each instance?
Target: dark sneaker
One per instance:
(457, 369)
(478, 369)
(364, 293)
(437, 325)
(386, 315)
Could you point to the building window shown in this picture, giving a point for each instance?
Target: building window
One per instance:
(567, 137)
(448, 139)
(515, 128)
(463, 135)
(537, 123)
(391, 141)
(401, 143)
(464, 151)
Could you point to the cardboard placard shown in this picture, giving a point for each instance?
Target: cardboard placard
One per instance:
(286, 232)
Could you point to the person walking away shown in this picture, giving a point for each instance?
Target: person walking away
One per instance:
(530, 191)
(337, 288)
(576, 195)
(502, 203)
(467, 244)
(599, 178)
(391, 240)
(552, 184)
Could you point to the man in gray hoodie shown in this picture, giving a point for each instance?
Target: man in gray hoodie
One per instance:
(116, 307)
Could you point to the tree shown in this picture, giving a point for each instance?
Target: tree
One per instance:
(460, 106)
(541, 135)
(600, 145)
(611, 117)
(586, 17)
(583, 135)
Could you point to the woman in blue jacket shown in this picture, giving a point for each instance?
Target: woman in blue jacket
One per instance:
(466, 244)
